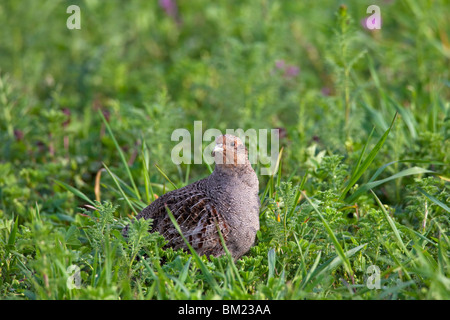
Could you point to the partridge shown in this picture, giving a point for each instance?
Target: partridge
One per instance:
(228, 198)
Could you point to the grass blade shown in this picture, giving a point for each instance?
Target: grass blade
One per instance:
(355, 177)
(381, 169)
(209, 278)
(436, 201)
(12, 237)
(391, 224)
(122, 156)
(145, 165)
(230, 259)
(406, 116)
(363, 151)
(311, 271)
(373, 184)
(331, 264)
(76, 192)
(335, 241)
(165, 176)
(120, 189)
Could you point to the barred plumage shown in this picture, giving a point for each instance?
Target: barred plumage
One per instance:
(227, 198)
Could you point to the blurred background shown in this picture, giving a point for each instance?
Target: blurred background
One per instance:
(309, 68)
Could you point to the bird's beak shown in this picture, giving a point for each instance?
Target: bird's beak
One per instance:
(218, 147)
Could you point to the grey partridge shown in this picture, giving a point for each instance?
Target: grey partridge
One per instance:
(227, 198)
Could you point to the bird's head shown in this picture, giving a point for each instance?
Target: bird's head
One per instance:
(230, 152)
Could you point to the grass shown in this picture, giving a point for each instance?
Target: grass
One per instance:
(362, 179)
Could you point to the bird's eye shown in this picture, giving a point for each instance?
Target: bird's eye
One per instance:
(233, 144)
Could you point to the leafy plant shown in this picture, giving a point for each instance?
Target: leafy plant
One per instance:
(361, 180)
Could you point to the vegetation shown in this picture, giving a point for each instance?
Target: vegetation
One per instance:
(86, 118)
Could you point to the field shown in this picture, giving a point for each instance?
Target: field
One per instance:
(357, 207)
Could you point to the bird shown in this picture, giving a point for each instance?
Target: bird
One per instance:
(226, 200)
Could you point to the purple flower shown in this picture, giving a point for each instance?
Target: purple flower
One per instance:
(170, 7)
(373, 22)
(279, 64)
(291, 71)
(66, 111)
(325, 91)
(18, 134)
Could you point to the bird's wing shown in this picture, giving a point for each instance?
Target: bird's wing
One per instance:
(196, 215)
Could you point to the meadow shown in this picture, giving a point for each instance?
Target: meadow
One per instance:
(357, 208)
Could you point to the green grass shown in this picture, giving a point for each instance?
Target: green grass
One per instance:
(86, 118)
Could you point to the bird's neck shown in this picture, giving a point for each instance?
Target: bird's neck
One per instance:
(232, 169)
(223, 173)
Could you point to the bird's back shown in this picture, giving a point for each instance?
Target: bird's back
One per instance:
(195, 213)
(224, 203)
(202, 207)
